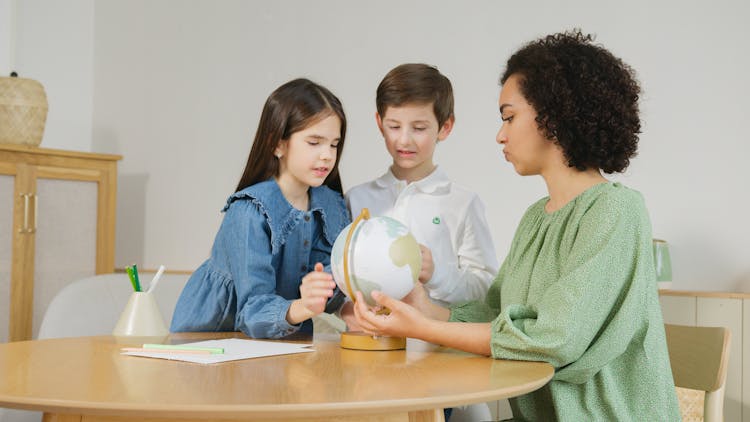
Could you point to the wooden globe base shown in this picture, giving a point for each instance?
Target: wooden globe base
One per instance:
(358, 340)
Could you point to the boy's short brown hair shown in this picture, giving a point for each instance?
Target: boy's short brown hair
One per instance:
(416, 83)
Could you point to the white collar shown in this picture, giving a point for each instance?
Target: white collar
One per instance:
(434, 181)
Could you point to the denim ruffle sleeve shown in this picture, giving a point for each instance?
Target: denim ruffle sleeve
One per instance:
(261, 312)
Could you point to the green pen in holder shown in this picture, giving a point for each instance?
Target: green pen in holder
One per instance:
(141, 320)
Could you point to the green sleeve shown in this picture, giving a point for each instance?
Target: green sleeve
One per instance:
(487, 310)
(480, 310)
(587, 317)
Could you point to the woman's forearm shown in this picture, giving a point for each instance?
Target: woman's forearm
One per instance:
(469, 337)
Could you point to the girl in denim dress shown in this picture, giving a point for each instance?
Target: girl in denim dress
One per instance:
(265, 276)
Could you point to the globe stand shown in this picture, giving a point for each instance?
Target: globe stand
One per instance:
(358, 340)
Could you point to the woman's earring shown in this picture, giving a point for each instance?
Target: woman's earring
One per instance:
(278, 156)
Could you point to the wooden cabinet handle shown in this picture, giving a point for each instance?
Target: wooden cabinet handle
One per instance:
(36, 211)
(25, 228)
(26, 199)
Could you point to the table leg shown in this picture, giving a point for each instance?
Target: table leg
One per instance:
(434, 415)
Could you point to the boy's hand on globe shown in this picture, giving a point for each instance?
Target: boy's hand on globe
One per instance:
(418, 298)
(428, 266)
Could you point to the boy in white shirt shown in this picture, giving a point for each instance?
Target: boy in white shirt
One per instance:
(415, 113)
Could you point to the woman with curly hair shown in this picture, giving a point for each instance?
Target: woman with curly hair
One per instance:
(578, 287)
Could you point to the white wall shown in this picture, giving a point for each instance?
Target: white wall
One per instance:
(54, 45)
(6, 23)
(178, 88)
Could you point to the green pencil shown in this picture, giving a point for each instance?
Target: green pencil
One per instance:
(129, 270)
(137, 280)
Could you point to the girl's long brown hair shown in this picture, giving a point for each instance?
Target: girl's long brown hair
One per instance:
(292, 107)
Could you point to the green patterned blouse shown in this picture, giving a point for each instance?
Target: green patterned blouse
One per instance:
(578, 290)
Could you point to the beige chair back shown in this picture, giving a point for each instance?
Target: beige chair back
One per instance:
(699, 357)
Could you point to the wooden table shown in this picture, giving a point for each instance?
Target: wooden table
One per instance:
(87, 379)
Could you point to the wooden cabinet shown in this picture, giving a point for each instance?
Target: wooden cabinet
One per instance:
(57, 224)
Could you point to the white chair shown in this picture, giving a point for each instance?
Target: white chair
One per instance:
(699, 357)
(92, 306)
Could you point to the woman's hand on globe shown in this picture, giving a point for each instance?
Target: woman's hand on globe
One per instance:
(428, 266)
(402, 320)
(405, 320)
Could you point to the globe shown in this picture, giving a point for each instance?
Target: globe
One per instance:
(382, 255)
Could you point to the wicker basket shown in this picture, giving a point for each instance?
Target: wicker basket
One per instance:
(691, 404)
(23, 111)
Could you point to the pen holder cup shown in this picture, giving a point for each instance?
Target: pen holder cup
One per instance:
(141, 320)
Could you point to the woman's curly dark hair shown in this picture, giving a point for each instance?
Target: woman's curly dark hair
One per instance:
(586, 99)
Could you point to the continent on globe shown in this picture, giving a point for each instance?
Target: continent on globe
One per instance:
(382, 255)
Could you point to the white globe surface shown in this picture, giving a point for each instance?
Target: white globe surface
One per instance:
(383, 255)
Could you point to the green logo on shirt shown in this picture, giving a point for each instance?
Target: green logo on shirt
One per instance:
(436, 220)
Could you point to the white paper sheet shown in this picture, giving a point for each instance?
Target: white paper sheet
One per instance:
(234, 349)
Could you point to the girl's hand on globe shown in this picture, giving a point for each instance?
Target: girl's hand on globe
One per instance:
(428, 266)
(316, 288)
